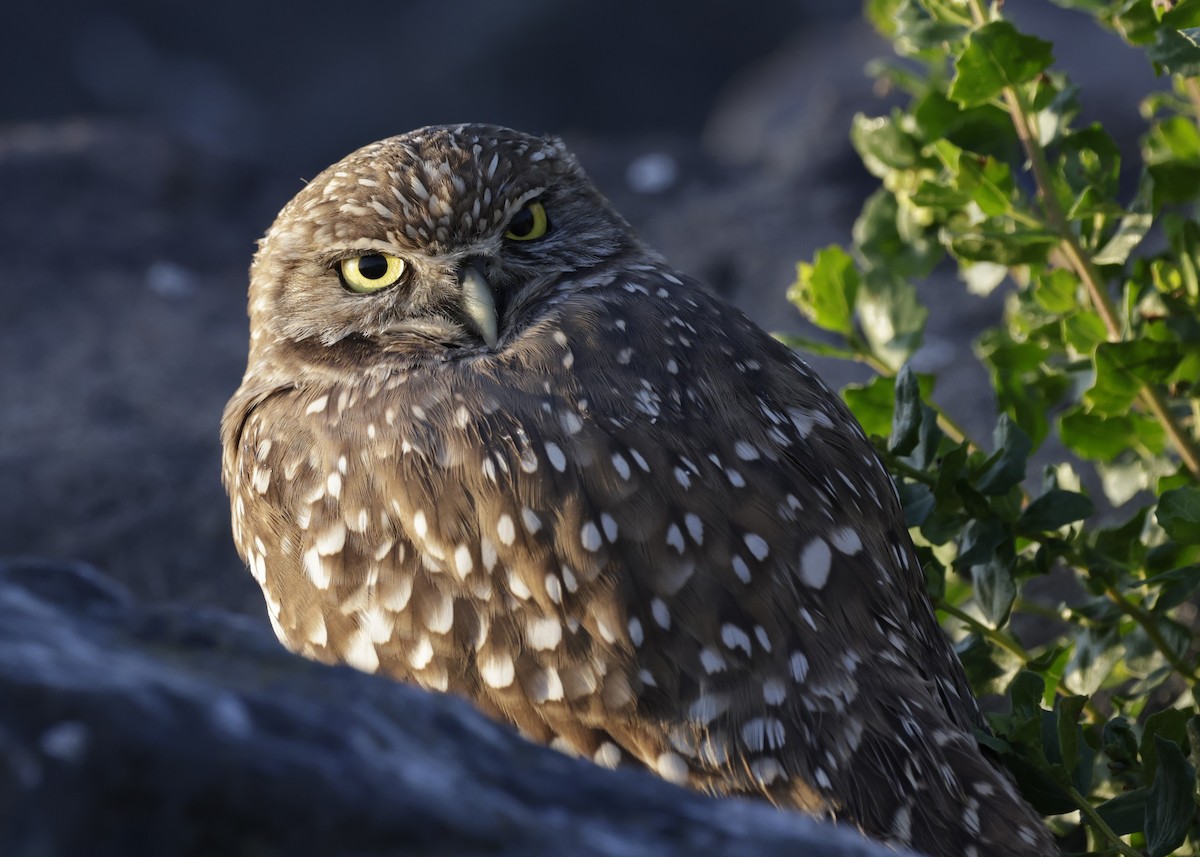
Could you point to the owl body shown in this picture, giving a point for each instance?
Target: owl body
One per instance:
(558, 478)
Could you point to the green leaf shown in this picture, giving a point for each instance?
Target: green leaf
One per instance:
(1066, 712)
(916, 30)
(1169, 725)
(918, 502)
(981, 539)
(996, 56)
(1026, 693)
(882, 145)
(1136, 21)
(891, 242)
(1184, 14)
(1012, 247)
(1123, 367)
(1025, 378)
(825, 291)
(1125, 813)
(930, 194)
(891, 316)
(1176, 586)
(1132, 227)
(882, 14)
(1179, 514)
(1056, 508)
(872, 404)
(1177, 51)
(1056, 291)
(989, 182)
(1089, 159)
(1008, 469)
(1120, 744)
(995, 586)
(1084, 331)
(906, 421)
(1169, 804)
(1096, 653)
(1173, 139)
(1092, 435)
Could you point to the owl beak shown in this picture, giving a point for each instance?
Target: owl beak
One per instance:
(478, 302)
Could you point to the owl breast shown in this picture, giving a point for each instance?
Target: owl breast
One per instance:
(641, 531)
(541, 533)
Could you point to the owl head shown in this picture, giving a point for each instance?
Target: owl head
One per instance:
(431, 244)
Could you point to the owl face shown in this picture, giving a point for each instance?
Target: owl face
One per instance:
(431, 244)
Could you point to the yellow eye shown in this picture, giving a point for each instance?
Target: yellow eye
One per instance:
(370, 273)
(528, 223)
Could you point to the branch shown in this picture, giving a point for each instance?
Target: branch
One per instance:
(1081, 263)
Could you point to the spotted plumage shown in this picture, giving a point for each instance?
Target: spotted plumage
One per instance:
(543, 470)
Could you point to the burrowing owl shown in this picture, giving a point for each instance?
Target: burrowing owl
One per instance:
(490, 443)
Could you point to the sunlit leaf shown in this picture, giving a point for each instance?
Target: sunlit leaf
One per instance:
(997, 56)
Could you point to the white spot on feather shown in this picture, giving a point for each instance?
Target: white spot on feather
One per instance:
(847, 540)
(774, 691)
(545, 686)
(505, 531)
(672, 767)
(757, 545)
(815, 563)
(462, 561)
(557, 460)
(543, 633)
(712, 660)
(421, 654)
(608, 756)
(316, 569)
(589, 537)
(735, 638)
(497, 670)
(799, 665)
(332, 540)
(745, 450)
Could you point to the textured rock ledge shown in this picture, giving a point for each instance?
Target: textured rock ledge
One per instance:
(135, 730)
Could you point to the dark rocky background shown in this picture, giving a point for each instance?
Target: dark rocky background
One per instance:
(146, 144)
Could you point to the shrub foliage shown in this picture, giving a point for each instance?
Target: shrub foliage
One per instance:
(1095, 364)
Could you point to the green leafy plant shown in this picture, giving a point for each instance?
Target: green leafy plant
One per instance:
(1095, 364)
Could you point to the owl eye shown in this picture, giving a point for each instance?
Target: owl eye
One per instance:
(370, 273)
(528, 223)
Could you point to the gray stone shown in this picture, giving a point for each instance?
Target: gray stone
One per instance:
(128, 729)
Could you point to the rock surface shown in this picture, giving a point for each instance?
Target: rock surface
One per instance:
(135, 730)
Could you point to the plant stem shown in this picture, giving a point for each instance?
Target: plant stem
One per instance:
(1146, 621)
(1081, 263)
(995, 635)
(1099, 824)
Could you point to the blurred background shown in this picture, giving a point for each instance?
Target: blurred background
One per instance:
(145, 146)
